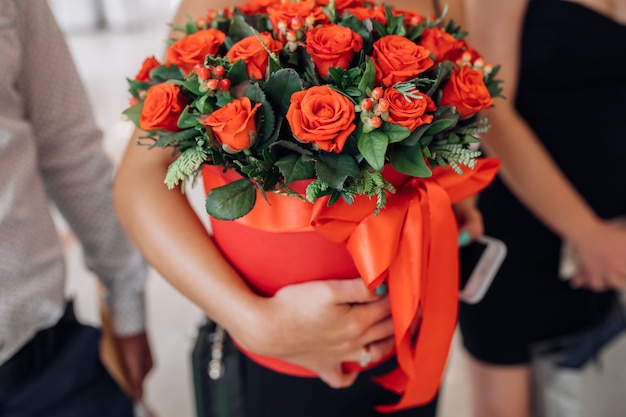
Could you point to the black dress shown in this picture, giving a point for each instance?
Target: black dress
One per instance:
(572, 93)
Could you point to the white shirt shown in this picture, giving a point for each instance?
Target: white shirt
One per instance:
(50, 152)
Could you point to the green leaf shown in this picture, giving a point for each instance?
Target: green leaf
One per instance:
(134, 87)
(367, 81)
(256, 95)
(334, 169)
(192, 86)
(187, 119)
(444, 69)
(203, 104)
(357, 26)
(223, 99)
(239, 29)
(238, 73)
(181, 137)
(280, 86)
(439, 126)
(379, 28)
(373, 146)
(415, 136)
(410, 161)
(164, 73)
(134, 112)
(395, 132)
(295, 167)
(231, 201)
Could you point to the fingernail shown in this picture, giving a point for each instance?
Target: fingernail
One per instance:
(381, 290)
(464, 238)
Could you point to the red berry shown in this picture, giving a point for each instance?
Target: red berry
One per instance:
(377, 93)
(219, 71)
(212, 84)
(383, 105)
(366, 104)
(224, 84)
(203, 73)
(291, 36)
(296, 23)
(376, 122)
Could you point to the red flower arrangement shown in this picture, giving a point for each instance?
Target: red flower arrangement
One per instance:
(335, 91)
(313, 101)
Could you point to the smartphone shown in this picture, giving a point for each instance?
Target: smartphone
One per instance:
(478, 264)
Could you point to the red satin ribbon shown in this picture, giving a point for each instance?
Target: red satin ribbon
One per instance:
(412, 244)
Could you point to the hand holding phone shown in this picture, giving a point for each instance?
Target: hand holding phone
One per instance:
(478, 264)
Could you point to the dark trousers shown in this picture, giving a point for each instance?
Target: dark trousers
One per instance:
(271, 394)
(59, 374)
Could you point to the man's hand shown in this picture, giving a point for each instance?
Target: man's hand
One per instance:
(136, 361)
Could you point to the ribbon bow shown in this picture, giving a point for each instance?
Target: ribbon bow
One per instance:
(412, 243)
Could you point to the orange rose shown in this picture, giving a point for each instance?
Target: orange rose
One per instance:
(343, 5)
(322, 116)
(332, 46)
(409, 113)
(443, 45)
(411, 17)
(253, 7)
(373, 13)
(233, 125)
(162, 107)
(193, 49)
(254, 54)
(398, 59)
(148, 65)
(466, 91)
(286, 11)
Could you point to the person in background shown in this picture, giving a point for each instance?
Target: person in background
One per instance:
(560, 136)
(317, 325)
(50, 153)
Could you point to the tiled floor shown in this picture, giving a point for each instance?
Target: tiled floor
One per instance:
(104, 60)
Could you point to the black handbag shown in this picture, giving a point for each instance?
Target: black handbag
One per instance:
(216, 370)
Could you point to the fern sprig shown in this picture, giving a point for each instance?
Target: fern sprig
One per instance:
(187, 163)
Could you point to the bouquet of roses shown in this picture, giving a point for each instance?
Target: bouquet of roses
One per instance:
(329, 92)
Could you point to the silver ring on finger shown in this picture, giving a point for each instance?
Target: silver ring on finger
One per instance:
(366, 356)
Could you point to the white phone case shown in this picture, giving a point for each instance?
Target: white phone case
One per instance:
(485, 270)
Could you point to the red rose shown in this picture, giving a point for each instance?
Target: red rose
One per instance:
(398, 59)
(411, 112)
(148, 65)
(233, 125)
(253, 7)
(443, 45)
(411, 17)
(322, 116)
(332, 46)
(254, 54)
(193, 49)
(373, 13)
(162, 107)
(466, 91)
(343, 5)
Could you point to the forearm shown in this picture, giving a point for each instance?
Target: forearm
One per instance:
(174, 241)
(533, 176)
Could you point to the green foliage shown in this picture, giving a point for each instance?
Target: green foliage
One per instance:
(280, 86)
(231, 201)
(276, 158)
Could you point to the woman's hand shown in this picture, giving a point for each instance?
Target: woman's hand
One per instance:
(469, 220)
(319, 325)
(601, 252)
